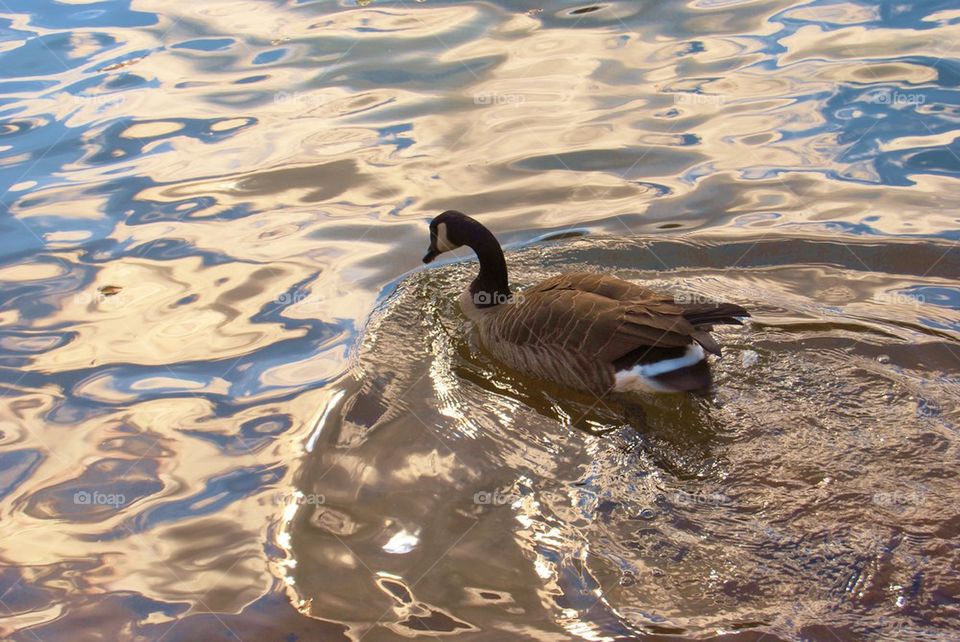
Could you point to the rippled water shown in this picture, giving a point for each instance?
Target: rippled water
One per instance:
(235, 407)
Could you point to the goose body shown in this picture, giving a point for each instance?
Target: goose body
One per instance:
(591, 332)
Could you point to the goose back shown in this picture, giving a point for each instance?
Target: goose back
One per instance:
(580, 329)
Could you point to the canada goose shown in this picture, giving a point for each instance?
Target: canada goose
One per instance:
(591, 332)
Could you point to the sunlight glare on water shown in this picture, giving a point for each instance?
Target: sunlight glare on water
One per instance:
(235, 406)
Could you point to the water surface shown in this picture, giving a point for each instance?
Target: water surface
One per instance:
(234, 405)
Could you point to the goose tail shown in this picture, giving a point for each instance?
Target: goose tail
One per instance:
(682, 369)
(709, 314)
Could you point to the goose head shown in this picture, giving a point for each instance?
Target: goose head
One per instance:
(453, 229)
(448, 231)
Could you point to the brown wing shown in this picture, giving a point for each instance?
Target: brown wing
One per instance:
(596, 316)
(605, 285)
(700, 316)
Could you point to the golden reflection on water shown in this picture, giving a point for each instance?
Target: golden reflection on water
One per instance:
(212, 203)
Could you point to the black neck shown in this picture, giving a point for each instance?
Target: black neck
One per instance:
(490, 288)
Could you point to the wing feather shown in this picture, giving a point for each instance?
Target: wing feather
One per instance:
(571, 328)
(597, 315)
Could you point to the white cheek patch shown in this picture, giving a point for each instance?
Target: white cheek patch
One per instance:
(443, 243)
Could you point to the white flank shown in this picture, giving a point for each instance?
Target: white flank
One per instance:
(443, 243)
(640, 376)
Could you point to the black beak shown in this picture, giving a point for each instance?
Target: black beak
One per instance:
(429, 256)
